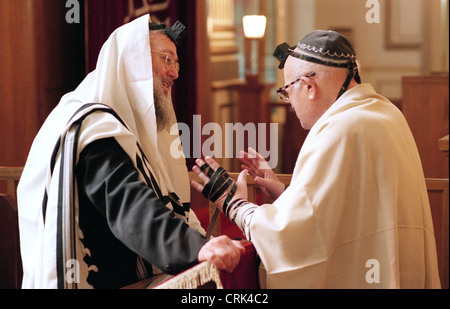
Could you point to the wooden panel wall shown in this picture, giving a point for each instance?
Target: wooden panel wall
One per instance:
(425, 106)
(42, 57)
(18, 82)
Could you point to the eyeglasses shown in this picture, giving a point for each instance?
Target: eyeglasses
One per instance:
(284, 94)
(169, 63)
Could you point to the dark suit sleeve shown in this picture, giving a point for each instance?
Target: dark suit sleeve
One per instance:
(135, 215)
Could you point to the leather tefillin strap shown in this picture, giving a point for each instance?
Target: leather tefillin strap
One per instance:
(207, 170)
(219, 182)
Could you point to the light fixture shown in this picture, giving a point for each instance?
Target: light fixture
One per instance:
(254, 31)
(254, 26)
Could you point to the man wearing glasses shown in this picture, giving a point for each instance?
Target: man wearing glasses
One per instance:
(101, 202)
(356, 213)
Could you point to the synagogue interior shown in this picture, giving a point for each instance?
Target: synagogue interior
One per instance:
(226, 77)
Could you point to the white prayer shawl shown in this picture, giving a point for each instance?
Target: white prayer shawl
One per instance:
(123, 81)
(356, 214)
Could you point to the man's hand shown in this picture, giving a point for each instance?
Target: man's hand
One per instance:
(222, 252)
(241, 183)
(262, 173)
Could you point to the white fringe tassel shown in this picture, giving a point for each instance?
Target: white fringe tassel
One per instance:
(194, 277)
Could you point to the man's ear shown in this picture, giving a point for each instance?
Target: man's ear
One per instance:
(311, 87)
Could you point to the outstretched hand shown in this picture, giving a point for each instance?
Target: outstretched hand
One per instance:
(264, 176)
(241, 183)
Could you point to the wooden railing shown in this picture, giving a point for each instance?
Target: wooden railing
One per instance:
(11, 176)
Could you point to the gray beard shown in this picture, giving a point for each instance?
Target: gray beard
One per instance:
(165, 115)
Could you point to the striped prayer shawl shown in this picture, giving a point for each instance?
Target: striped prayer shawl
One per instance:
(68, 249)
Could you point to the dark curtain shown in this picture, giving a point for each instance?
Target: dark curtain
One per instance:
(185, 94)
(104, 16)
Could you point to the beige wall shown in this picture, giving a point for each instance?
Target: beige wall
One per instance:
(34, 70)
(381, 66)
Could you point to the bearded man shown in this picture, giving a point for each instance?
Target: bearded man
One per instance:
(101, 202)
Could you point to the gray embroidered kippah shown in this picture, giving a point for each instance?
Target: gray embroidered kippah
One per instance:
(328, 48)
(323, 47)
(320, 46)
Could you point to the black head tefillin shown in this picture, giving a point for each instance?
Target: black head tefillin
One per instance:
(281, 53)
(175, 33)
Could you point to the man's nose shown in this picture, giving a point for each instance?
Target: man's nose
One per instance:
(172, 73)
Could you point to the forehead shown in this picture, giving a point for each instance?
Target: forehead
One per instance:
(291, 68)
(161, 42)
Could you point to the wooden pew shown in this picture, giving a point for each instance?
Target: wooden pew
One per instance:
(10, 261)
(438, 194)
